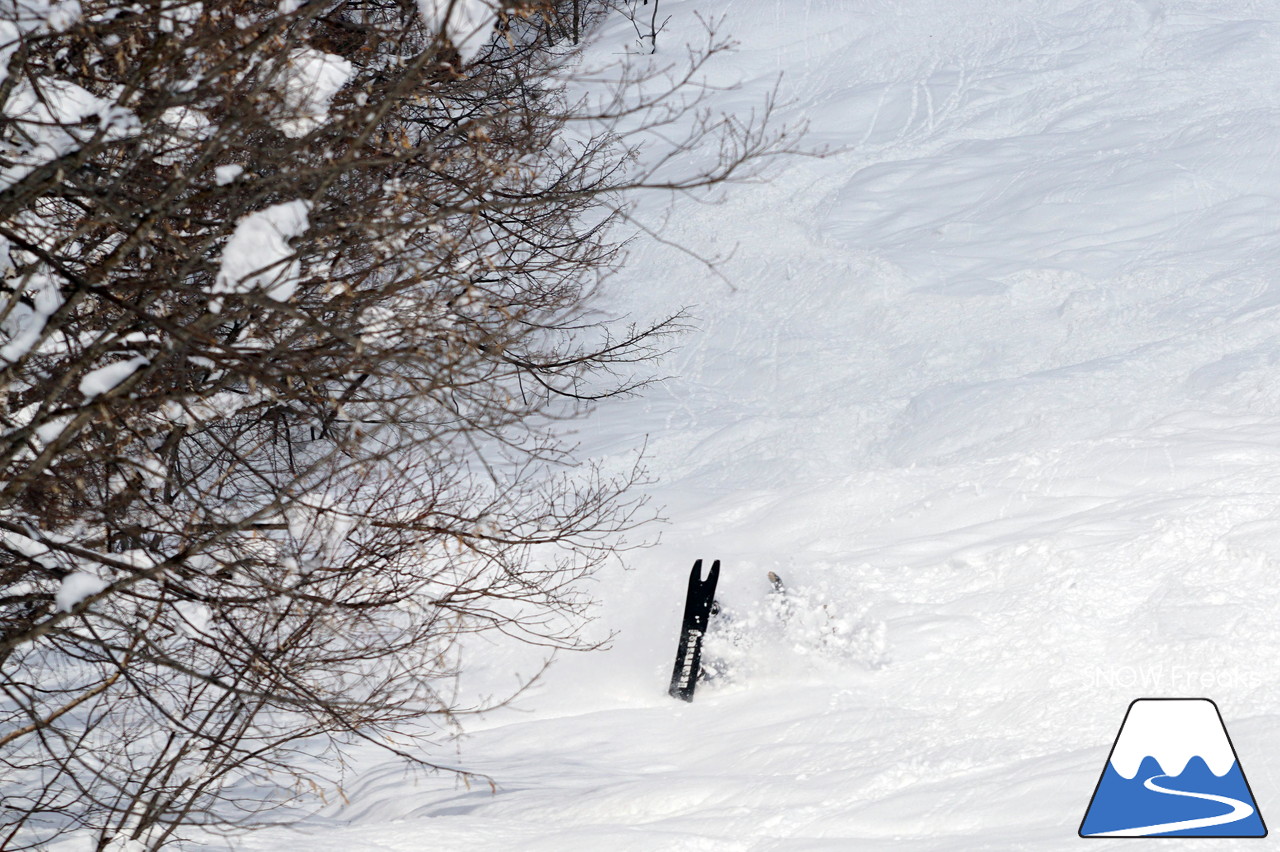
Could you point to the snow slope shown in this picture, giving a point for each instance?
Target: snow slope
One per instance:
(996, 390)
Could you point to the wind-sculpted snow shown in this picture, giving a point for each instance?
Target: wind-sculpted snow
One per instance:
(997, 382)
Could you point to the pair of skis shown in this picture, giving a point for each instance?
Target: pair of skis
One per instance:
(699, 605)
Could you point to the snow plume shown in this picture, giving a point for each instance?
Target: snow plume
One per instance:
(311, 79)
(815, 623)
(257, 255)
(468, 24)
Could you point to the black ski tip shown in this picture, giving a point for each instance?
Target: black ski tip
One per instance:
(696, 580)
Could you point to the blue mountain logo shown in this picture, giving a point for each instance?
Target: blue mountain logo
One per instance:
(1173, 772)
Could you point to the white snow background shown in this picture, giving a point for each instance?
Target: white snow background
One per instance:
(996, 391)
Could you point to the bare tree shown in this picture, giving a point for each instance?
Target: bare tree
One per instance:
(295, 296)
(643, 16)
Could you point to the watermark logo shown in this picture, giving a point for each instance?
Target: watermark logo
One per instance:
(1159, 677)
(1172, 772)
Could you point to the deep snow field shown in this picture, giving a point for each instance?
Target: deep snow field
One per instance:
(996, 390)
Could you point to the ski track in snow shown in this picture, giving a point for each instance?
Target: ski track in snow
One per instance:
(998, 384)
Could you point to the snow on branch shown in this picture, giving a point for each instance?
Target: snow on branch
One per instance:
(258, 254)
(312, 78)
